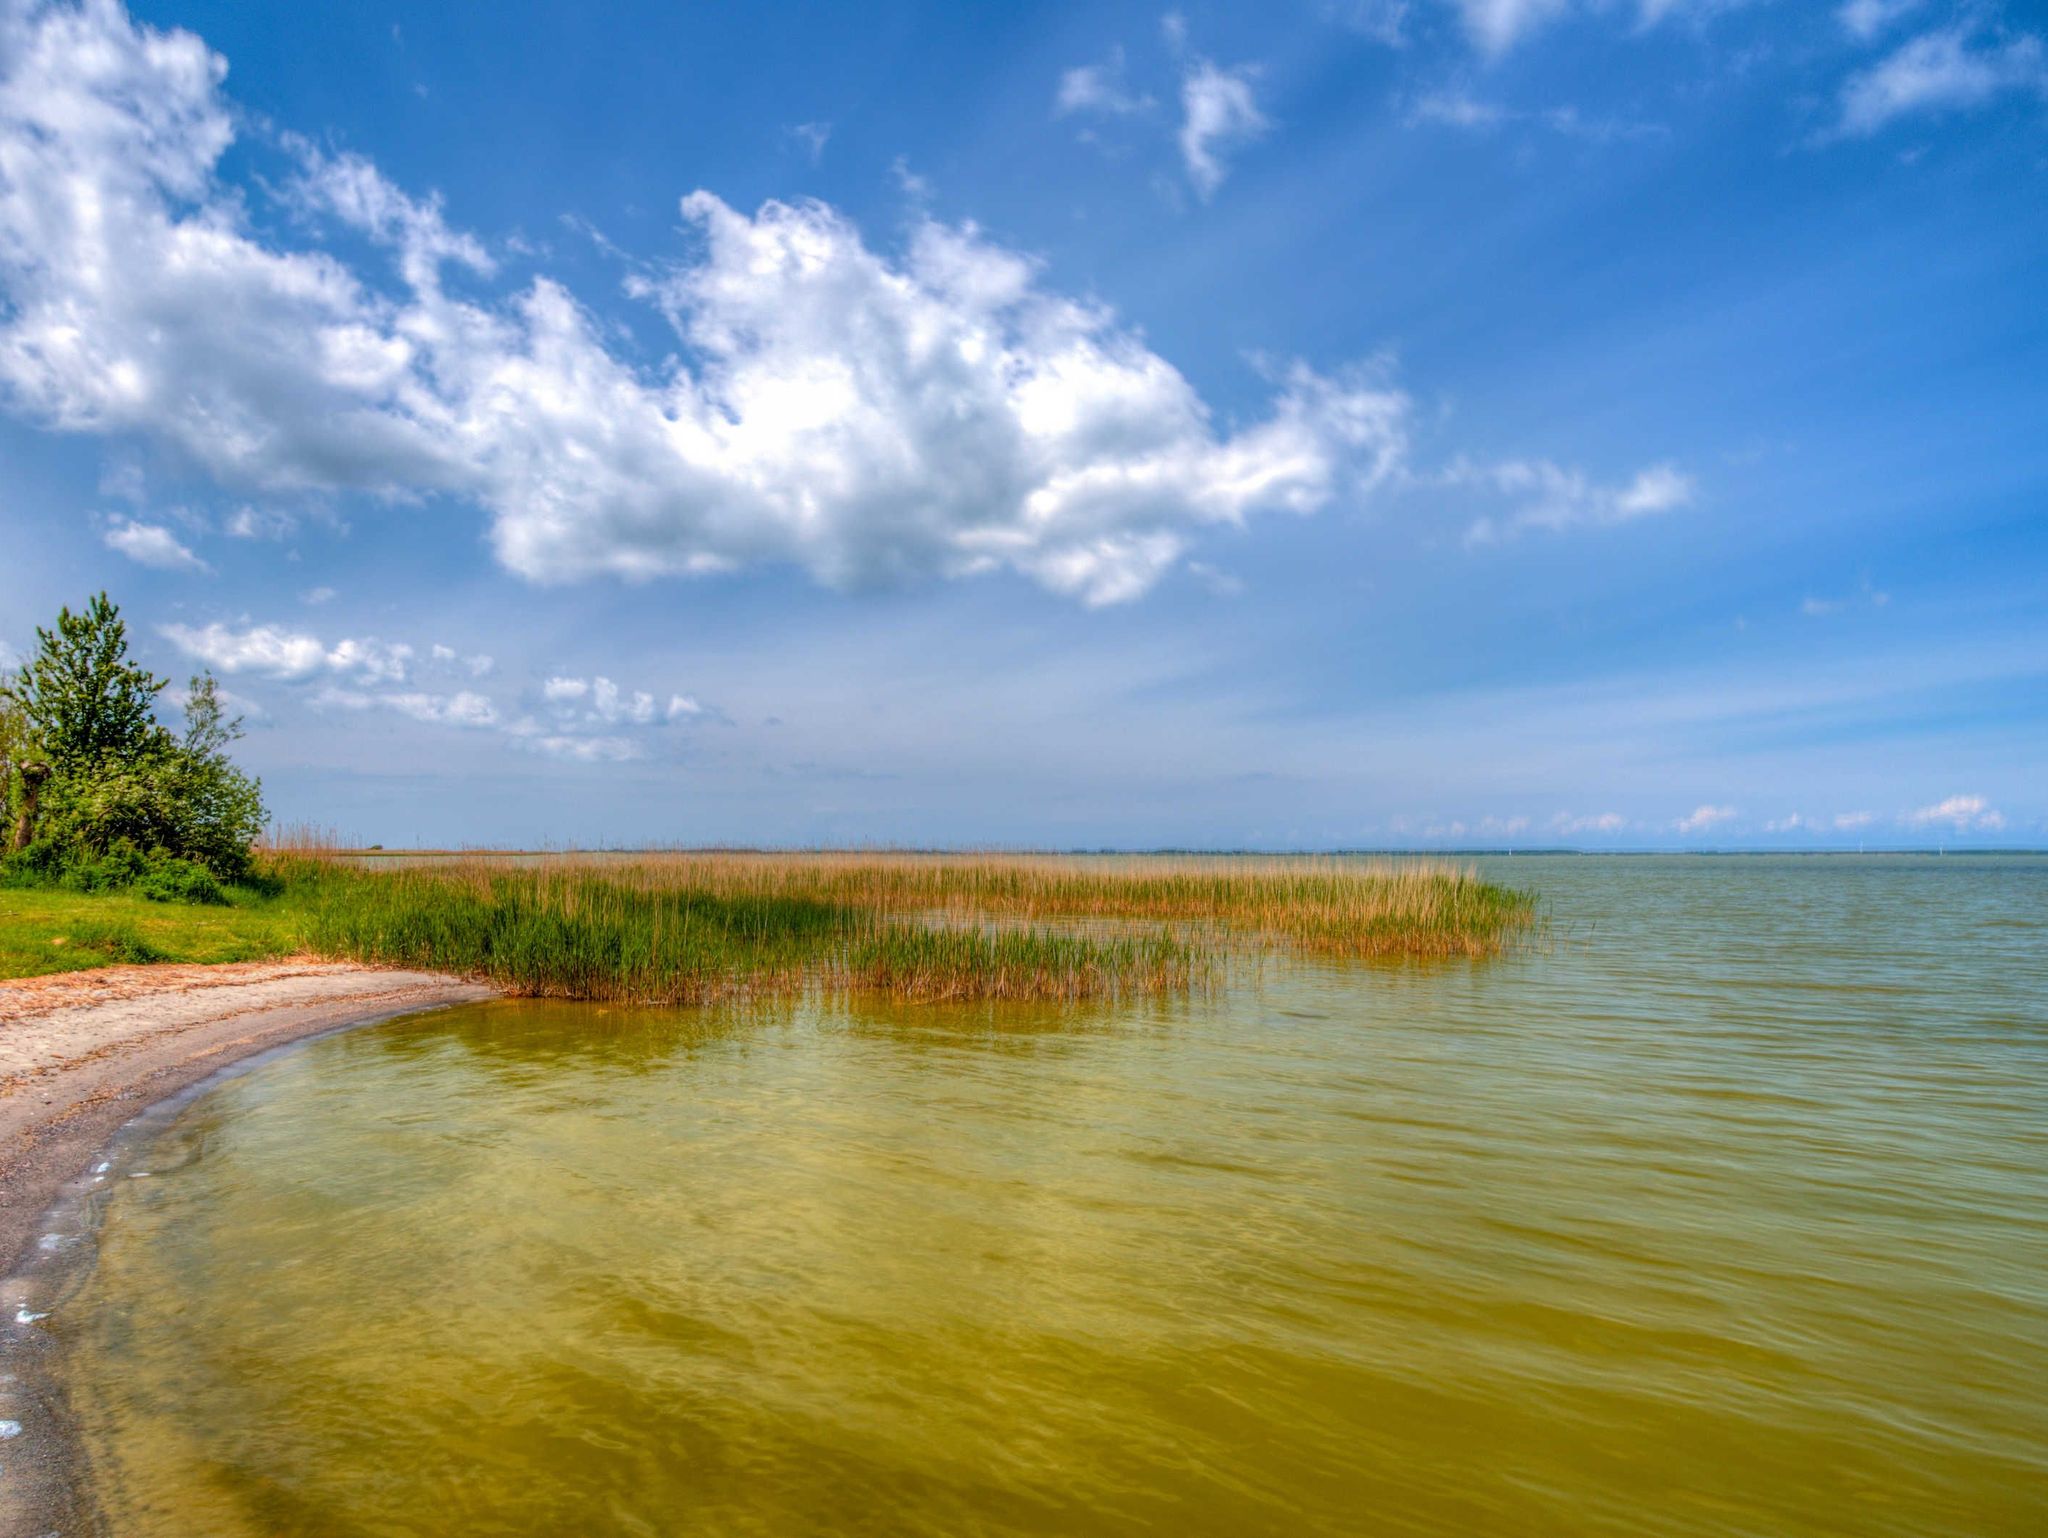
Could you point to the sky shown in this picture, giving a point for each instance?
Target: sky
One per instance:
(1309, 424)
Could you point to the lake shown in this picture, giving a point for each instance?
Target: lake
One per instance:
(1723, 1210)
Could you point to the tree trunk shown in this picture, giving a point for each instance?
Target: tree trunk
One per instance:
(32, 777)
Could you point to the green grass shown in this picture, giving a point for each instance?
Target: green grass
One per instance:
(689, 928)
(44, 931)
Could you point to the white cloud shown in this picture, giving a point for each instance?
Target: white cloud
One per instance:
(151, 544)
(1963, 813)
(462, 708)
(1098, 88)
(865, 417)
(1218, 111)
(272, 652)
(259, 523)
(600, 702)
(1847, 822)
(476, 665)
(1598, 822)
(588, 750)
(1865, 19)
(1555, 498)
(1941, 72)
(608, 703)
(313, 597)
(1495, 26)
(1701, 818)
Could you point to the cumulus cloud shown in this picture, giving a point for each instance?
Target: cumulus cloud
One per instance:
(150, 544)
(1701, 818)
(866, 417)
(1848, 822)
(1218, 112)
(1966, 814)
(1942, 71)
(1555, 498)
(269, 651)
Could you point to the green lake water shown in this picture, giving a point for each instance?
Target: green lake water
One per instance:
(1724, 1212)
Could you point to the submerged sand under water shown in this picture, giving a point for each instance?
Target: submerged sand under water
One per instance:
(1725, 1214)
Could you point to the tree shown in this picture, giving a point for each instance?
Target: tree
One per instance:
(22, 771)
(122, 792)
(83, 699)
(219, 808)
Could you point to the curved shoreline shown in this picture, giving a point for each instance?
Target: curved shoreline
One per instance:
(82, 1056)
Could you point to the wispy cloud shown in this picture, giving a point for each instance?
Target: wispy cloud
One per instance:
(1820, 608)
(1865, 20)
(1099, 88)
(1554, 498)
(811, 138)
(462, 708)
(1595, 822)
(1460, 109)
(1218, 113)
(1495, 26)
(1944, 71)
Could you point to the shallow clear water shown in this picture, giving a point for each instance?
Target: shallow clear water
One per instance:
(1727, 1213)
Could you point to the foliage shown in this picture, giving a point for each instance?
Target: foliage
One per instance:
(124, 793)
(84, 700)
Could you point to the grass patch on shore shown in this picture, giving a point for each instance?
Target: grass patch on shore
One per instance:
(692, 928)
(45, 930)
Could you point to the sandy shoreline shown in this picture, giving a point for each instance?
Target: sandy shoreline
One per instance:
(83, 1054)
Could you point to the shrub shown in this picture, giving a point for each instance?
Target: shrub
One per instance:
(172, 880)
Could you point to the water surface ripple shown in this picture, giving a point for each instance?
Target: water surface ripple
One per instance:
(1727, 1213)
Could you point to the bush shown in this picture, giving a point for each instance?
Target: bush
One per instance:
(171, 880)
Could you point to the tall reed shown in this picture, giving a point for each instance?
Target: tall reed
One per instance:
(691, 927)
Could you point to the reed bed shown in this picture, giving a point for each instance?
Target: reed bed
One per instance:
(697, 927)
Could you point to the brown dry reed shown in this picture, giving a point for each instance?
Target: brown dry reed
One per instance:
(698, 927)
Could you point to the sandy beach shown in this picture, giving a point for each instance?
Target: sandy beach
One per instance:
(82, 1052)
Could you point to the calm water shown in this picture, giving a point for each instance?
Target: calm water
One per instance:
(1726, 1214)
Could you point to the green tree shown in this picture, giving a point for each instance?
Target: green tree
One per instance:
(219, 808)
(122, 794)
(84, 701)
(20, 769)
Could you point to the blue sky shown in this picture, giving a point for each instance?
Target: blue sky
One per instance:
(1318, 424)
